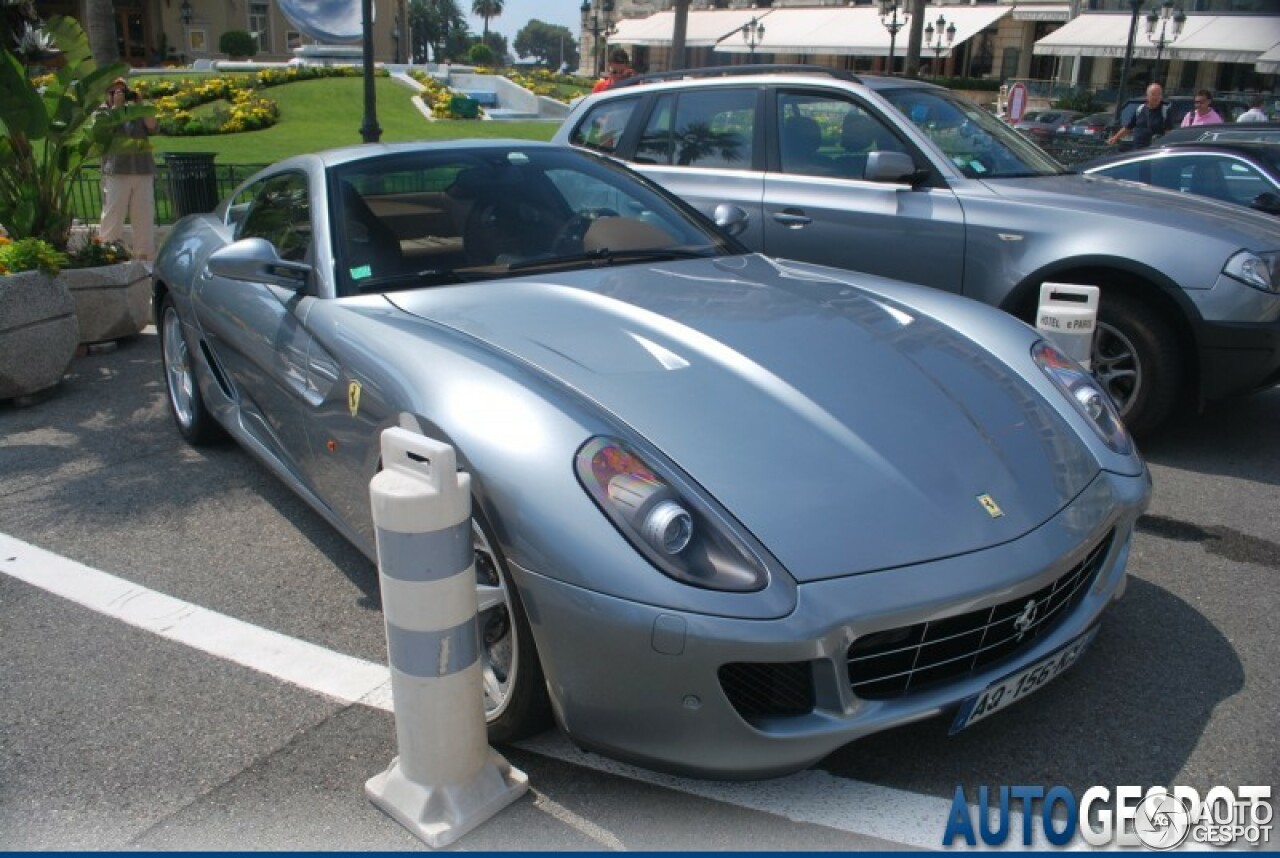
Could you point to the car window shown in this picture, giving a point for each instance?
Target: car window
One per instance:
(601, 128)
(711, 128)
(403, 222)
(824, 135)
(280, 212)
(978, 143)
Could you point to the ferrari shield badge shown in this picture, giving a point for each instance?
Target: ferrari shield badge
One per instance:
(353, 397)
(989, 504)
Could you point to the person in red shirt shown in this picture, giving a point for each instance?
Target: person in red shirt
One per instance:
(619, 69)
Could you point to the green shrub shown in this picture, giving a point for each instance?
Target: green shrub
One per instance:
(30, 254)
(238, 43)
(1079, 99)
(481, 55)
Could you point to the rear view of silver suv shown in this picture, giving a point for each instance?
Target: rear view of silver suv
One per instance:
(904, 179)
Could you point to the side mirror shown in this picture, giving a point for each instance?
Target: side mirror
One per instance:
(890, 167)
(732, 219)
(254, 260)
(1266, 202)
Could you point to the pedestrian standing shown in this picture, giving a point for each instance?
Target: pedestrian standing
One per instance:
(1202, 113)
(128, 176)
(1152, 119)
(1255, 112)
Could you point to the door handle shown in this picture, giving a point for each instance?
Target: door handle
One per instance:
(794, 218)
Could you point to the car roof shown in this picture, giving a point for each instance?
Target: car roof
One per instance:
(770, 73)
(364, 151)
(1263, 153)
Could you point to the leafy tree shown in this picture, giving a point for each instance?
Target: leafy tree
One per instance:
(439, 29)
(50, 134)
(481, 55)
(238, 43)
(487, 9)
(549, 44)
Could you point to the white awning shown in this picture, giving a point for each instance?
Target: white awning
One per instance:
(704, 28)
(1225, 38)
(856, 31)
(1204, 38)
(1042, 12)
(1090, 36)
(1269, 63)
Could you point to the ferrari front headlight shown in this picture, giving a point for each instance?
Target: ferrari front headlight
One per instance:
(1085, 394)
(674, 529)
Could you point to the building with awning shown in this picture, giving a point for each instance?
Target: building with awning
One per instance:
(1204, 38)
(816, 31)
(1269, 62)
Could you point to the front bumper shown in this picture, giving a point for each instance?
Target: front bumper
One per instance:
(644, 684)
(1239, 339)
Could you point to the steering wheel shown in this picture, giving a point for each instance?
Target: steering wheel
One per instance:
(570, 236)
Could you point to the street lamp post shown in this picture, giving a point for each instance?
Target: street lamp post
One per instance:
(939, 38)
(1170, 19)
(370, 130)
(889, 10)
(752, 34)
(595, 20)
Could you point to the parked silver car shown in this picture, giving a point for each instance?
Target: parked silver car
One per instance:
(902, 178)
(729, 513)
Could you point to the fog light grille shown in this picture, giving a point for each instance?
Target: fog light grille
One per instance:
(769, 689)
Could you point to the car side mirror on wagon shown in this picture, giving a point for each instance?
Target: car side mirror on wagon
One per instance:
(255, 260)
(890, 167)
(1266, 202)
(730, 218)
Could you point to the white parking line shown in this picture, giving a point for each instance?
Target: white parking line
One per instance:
(812, 796)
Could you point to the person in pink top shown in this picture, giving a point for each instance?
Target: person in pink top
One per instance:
(1203, 112)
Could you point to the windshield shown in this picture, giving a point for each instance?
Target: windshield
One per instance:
(978, 143)
(432, 218)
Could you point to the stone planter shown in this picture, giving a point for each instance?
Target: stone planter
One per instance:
(111, 301)
(38, 333)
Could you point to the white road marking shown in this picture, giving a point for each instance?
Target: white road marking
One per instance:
(811, 796)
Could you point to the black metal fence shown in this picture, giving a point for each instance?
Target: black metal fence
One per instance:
(86, 194)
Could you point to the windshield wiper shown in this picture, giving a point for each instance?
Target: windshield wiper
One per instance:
(412, 279)
(605, 256)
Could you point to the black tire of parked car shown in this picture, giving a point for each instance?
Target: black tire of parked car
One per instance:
(527, 709)
(186, 403)
(1136, 357)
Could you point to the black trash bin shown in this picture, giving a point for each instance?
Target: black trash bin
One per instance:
(193, 185)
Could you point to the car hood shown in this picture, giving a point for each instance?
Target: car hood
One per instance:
(847, 433)
(1098, 196)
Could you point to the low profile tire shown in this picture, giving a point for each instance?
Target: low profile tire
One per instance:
(1137, 359)
(515, 691)
(185, 402)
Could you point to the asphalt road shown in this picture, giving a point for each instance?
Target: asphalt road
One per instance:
(114, 738)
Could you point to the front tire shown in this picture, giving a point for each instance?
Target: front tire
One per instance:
(515, 691)
(1137, 359)
(185, 401)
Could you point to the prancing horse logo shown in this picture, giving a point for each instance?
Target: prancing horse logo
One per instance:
(353, 398)
(1026, 619)
(989, 504)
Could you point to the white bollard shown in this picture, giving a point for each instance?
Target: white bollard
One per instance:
(1067, 315)
(446, 779)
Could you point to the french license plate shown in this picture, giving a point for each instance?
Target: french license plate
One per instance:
(1007, 691)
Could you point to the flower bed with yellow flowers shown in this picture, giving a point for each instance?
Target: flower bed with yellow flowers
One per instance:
(247, 109)
(437, 96)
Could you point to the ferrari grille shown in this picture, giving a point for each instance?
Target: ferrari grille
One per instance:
(891, 663)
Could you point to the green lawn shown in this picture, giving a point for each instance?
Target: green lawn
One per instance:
(322, 114)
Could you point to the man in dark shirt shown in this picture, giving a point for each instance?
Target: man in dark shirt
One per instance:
(1148, 122)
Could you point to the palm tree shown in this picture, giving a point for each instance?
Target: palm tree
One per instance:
(100, 26)
(487, 9)
(433, 24)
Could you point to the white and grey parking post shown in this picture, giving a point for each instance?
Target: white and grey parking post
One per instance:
(1067, 315)
(446, 779)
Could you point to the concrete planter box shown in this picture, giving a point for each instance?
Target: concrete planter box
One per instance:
(38, 333)
(112, 301)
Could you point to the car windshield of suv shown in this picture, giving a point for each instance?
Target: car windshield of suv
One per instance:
(978, 143)
(403, 222)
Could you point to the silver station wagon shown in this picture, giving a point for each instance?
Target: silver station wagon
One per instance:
(905, 179)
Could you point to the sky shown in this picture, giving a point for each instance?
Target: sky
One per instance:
(517, 13)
